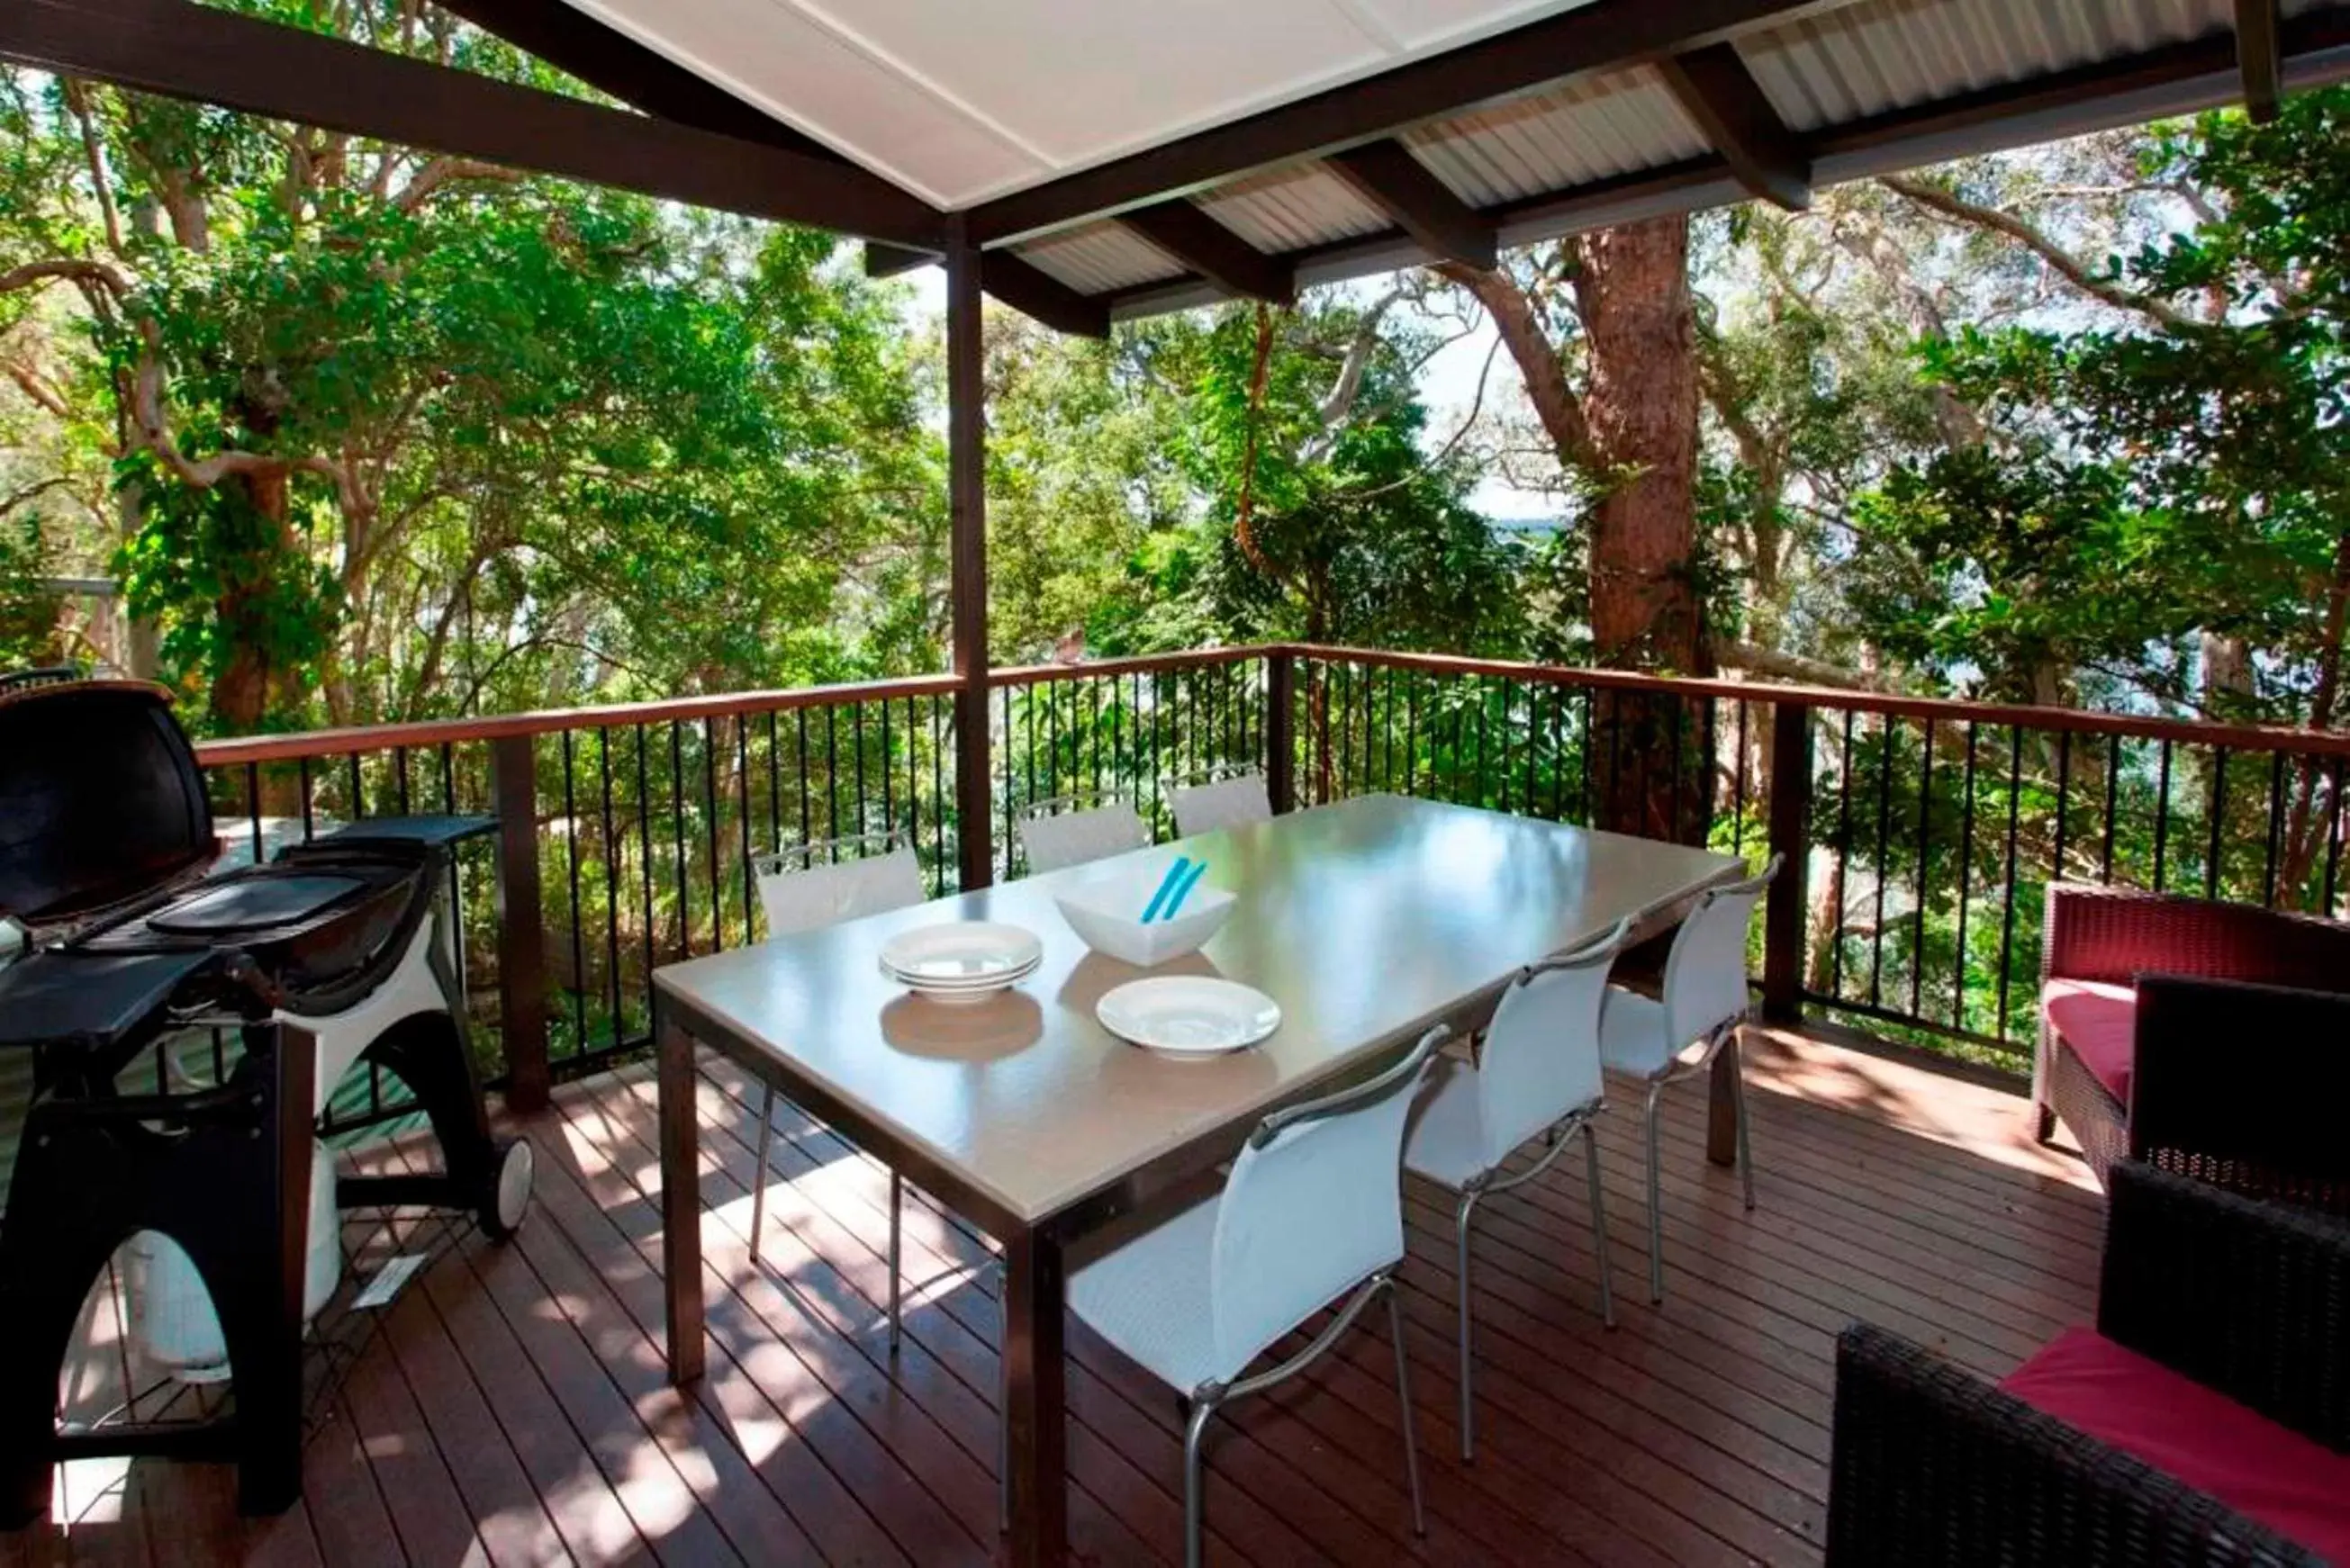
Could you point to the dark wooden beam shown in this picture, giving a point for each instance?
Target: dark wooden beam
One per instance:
(1602, 33)
(889, 261)
(615, 63)
(1033, 292)
(1213, 251)
(191, 51)
(1387, 175)
(1721, 95)
(2260, 57)
(967, 555)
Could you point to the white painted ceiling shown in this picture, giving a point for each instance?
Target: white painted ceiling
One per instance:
(959, 101)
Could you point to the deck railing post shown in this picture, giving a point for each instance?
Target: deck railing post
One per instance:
(1791, 810)
(522, 935)
(1280, 734)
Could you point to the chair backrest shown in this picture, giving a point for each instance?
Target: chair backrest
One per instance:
(837, 879)
(1223, 797)
(1705, 974)
(1313, 1206)
(1541, 1056)
(1070, 830)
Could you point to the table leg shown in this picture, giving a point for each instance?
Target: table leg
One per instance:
(1033, 1404)
(1721, 1107)
(681, 1173)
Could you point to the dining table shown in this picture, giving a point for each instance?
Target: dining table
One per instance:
(1367, 920)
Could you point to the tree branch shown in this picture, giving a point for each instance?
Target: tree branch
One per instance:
(1950, 204)
(1555, 401)
(441, 172)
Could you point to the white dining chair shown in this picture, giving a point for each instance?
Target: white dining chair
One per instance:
(1071, 829)
(1311, 1214)
(1663, 1043)
(1220, 797)
(1536, 1071)
(811, 886)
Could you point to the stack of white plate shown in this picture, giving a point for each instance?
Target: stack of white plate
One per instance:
(967, 961)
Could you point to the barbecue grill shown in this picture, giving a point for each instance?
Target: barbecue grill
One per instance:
(340, 951)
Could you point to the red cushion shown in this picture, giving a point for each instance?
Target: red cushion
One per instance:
(2298, 1487)
(2099, 1022)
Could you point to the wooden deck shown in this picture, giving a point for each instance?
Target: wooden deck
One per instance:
(514, 1409)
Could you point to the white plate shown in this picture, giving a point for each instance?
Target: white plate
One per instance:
(968, 959)
(1188, 1014)
(985, 989)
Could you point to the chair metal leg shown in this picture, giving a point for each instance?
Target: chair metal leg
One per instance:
(1193, 1429)
(759, 1170)
(1599, 1222)
(1468, 1354)
(897, 1208)
(1403, 1396)
(1738, 1091)
(1655, 1197)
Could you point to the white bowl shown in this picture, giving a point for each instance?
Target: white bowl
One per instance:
(1107, 915)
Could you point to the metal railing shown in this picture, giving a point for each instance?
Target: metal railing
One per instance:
(1920, 834)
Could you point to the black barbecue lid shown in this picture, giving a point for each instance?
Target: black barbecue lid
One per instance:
(100, 798)
(258, 903)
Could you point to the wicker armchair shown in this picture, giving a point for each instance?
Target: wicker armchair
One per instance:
(2106, 939)
(1933, 1467)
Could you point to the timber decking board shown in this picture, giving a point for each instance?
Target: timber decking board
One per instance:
(514, 1409)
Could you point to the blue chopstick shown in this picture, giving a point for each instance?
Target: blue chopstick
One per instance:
(1190, 881)
(1166, 887)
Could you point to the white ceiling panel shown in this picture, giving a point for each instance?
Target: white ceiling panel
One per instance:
(960, 100)
(769, 55)
(1432, 24)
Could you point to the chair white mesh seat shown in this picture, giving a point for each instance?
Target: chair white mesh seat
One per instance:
(1537, 1075)
(1662, 1042)
(1067, 831)
(1225, 798)
(1311, 1215)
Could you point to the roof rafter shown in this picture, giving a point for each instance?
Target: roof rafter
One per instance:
(1387, 175)
(613, 63)
(1213, 251)
(1602, 33)
(1714, 86)
(1032, 291)
(2260, 57)
(186, 50)
(2172, 78)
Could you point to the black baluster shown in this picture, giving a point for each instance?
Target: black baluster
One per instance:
(710, 804)
(2007, 914)
(2162, 815)
(2276, 828)
(1966, 869)
(1842, 875)
(2064, 797)
(2113, 803)
(571, 874)
(1884, 830)
(611, 885)
(1925, 850)
(677, 833)
(2217, 808)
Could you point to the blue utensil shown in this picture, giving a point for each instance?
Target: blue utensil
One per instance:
(1166, 887)
(1191, 880)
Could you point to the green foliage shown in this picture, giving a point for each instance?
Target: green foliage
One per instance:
(29, 608)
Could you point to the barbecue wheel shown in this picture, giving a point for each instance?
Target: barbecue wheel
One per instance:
(505, 1196)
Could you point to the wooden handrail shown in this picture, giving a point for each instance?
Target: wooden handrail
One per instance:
(2128, 726)
(440, 731)
(554, 720)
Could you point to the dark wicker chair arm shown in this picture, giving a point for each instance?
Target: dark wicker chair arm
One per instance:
(2116, 934)
(1932, 1468)
(2244, 1086)
(2248, 1298)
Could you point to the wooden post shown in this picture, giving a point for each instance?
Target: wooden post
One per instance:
(967, 522)
(522, 934)
(1790, 809)
(1280, 730)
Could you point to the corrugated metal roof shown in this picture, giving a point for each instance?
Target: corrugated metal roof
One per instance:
(1289, 208)
(1833, 65)
(1863, 59)
(1585, 130)
(1096, 258)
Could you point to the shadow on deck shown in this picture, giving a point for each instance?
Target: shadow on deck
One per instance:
(513, 1408)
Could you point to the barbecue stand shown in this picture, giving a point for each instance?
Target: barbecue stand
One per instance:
(340, 952)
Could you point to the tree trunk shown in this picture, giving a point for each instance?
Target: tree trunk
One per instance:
(1641, 408)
